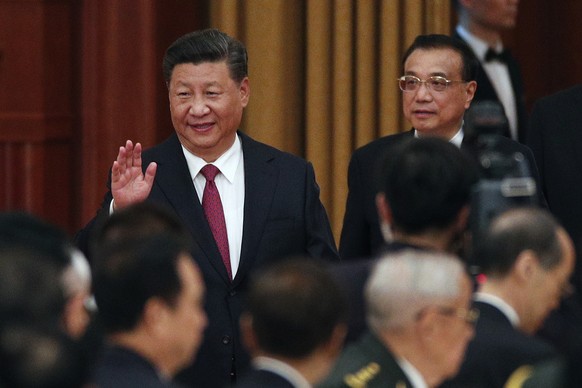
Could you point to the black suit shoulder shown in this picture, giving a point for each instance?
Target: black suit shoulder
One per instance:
(497, 350)
(262, 378)
(123, 368)
(361, 235)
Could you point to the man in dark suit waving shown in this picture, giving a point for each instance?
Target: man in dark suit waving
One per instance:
(245, 203)
(438, 86)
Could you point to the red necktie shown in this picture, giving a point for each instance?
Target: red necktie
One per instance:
(215, 215)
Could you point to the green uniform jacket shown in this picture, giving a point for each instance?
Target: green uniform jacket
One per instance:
(366, 363)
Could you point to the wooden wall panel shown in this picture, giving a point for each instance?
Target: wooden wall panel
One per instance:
(36, 108)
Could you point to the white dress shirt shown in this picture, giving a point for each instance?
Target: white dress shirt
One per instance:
(412, 373)
(282, 369)
(456, 140)
(500, 304)
(231, 187)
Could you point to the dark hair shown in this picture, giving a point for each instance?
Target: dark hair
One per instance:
(470, 63)
(23, 230)
(142, 219)
(34, 355)
(515, 231)
(294, 305)
(210, 45)
(129, 272)
(33, 256)
(426, 182)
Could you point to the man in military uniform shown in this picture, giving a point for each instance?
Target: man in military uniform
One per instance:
(420, 320)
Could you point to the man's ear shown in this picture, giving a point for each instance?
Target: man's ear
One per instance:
(336, 341)
(245, 91)
(425, 325)
(155, 315)
(75, 317)
(525, 265)
(248, 335)
(470, 90)
(383, 208)
(463, 218)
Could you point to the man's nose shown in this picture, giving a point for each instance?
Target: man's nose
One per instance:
(199, 107)
(423, 92)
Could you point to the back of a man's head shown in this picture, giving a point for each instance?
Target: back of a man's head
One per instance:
(426, 183)
(513, 232)
(403, 284)
(138, 220)
(46, 261)
(38, 280)
(128, 272)
(294, 307)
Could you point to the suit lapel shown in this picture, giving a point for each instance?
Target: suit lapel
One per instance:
(173, 179)
(260, 183)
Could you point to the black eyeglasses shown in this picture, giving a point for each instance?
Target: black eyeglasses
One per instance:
(410, 83)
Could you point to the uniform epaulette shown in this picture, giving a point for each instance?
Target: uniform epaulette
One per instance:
(360, 378)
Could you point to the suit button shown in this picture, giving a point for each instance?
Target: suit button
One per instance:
(232, 293)
(226, 340)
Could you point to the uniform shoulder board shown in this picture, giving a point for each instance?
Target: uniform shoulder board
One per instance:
(360, 378)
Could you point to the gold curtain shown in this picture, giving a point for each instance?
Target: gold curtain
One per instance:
(323, 75)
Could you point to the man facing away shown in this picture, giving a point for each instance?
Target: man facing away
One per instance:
(149, 294)
(423, 203)
(481, 24)
(420, 319)
(245, 204)
(527, 258)
(293, 325)
(438, 86)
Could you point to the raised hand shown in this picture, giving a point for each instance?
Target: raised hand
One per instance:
(128, 182)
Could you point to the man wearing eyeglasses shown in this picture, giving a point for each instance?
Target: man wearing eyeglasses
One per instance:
(527, 258)
(438, 85)
(419, 329)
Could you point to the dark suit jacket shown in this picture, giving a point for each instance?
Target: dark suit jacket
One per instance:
(257, 378)
(283, 216)
(123, 368)
(485, 91)
(366, 363)
(556, 141)
(361, 235)
(496, 351)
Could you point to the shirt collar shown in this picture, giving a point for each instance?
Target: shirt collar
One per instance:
(457, 139)
(500, 304)
(412, 373)
(478, 45)
(282, 369)
(227, 163)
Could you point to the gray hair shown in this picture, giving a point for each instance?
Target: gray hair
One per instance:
(403, 284)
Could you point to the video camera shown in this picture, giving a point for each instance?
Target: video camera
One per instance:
(506, 179)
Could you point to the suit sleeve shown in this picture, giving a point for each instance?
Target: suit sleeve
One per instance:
(354, 241)
(84, 236)
(319, 237)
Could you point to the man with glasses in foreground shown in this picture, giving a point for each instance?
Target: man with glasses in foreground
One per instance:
(527, 258)
(420, 318)
(438, 86)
